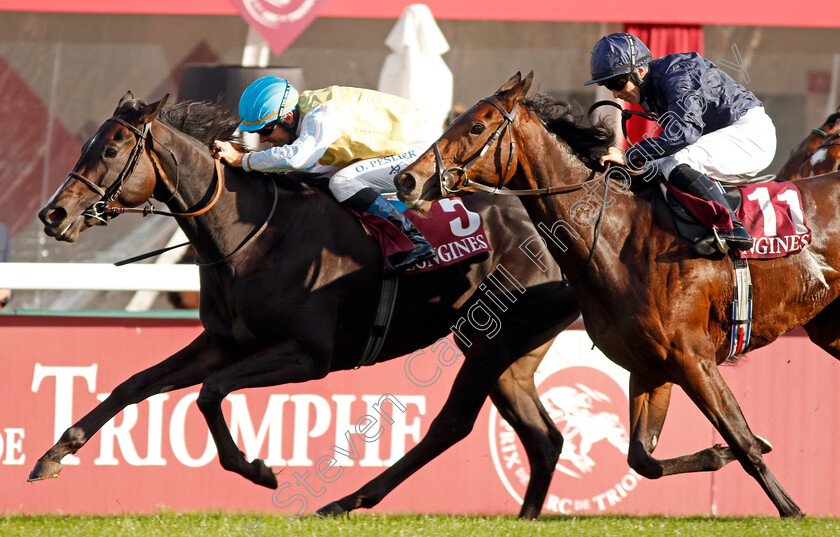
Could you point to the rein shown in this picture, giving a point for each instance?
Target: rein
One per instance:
(151, 209)
(625, 115)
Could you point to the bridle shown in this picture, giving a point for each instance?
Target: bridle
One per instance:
(102, 211)
(833, 118)
(445, 175)
(831, 140)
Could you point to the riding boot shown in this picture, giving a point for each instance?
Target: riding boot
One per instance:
(695, 183)
(368, 201)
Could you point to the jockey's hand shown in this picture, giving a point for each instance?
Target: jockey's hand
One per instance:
(228, 152)
(614, 155)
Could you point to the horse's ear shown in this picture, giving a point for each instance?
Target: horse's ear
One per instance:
(151, 110)
(526, 84)
(514, 80)
(517, 87)
(127, 97)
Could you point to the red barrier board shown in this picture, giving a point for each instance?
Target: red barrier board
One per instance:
(752, 13)
(158, 453)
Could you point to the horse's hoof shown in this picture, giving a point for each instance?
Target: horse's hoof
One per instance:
(265, 476)
(44, 469)
(331, 510)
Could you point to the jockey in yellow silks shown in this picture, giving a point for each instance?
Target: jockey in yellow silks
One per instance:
(362, 137)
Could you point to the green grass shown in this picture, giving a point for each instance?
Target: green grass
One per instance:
(212, 524)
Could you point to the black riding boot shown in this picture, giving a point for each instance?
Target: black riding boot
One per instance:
(695, 183)
(368, 201)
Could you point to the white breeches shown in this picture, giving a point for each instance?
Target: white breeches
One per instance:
(740, 150)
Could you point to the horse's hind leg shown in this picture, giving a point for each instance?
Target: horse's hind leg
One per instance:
(824, 329)
(516, 398)
(186, 367)
(703, 383)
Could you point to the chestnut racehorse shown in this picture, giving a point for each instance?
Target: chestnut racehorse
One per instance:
(648, 302)
(818, 153)
(290, 285)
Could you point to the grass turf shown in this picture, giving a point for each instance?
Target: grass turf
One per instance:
(211, 524)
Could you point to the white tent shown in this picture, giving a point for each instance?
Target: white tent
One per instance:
(415, 69)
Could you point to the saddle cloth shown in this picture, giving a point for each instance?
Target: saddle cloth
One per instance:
(456, 232)
(771, 212)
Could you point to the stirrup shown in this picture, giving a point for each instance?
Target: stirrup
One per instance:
(720, 243)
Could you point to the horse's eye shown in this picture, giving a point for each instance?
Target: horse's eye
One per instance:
(110, 152)
(478, 128)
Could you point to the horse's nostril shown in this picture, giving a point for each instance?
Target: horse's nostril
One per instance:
(56, 215)
(408, 182)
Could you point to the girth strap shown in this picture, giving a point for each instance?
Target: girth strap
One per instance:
(741, 308)
(381, 322)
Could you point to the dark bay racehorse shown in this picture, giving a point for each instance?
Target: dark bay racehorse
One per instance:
(290, 283)
(818, 153)
(648, 302)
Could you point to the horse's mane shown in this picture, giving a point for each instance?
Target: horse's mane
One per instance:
(210, 120)
(203, 120)
(589, 142)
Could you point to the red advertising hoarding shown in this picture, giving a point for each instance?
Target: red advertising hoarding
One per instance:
(751, 13)
(158, 453)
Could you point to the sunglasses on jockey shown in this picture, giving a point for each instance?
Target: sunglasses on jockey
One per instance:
(267, 130)
(616, 83)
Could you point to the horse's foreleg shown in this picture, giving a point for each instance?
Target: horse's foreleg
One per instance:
(185, 368)
(280, 364)
(516, 398)
(703, 383)
(483, 364)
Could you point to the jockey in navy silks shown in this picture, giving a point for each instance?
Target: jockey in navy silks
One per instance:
(712, 125)
(361, 137)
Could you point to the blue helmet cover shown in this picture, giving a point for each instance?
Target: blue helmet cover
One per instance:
(616, 54)
(265, 100)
